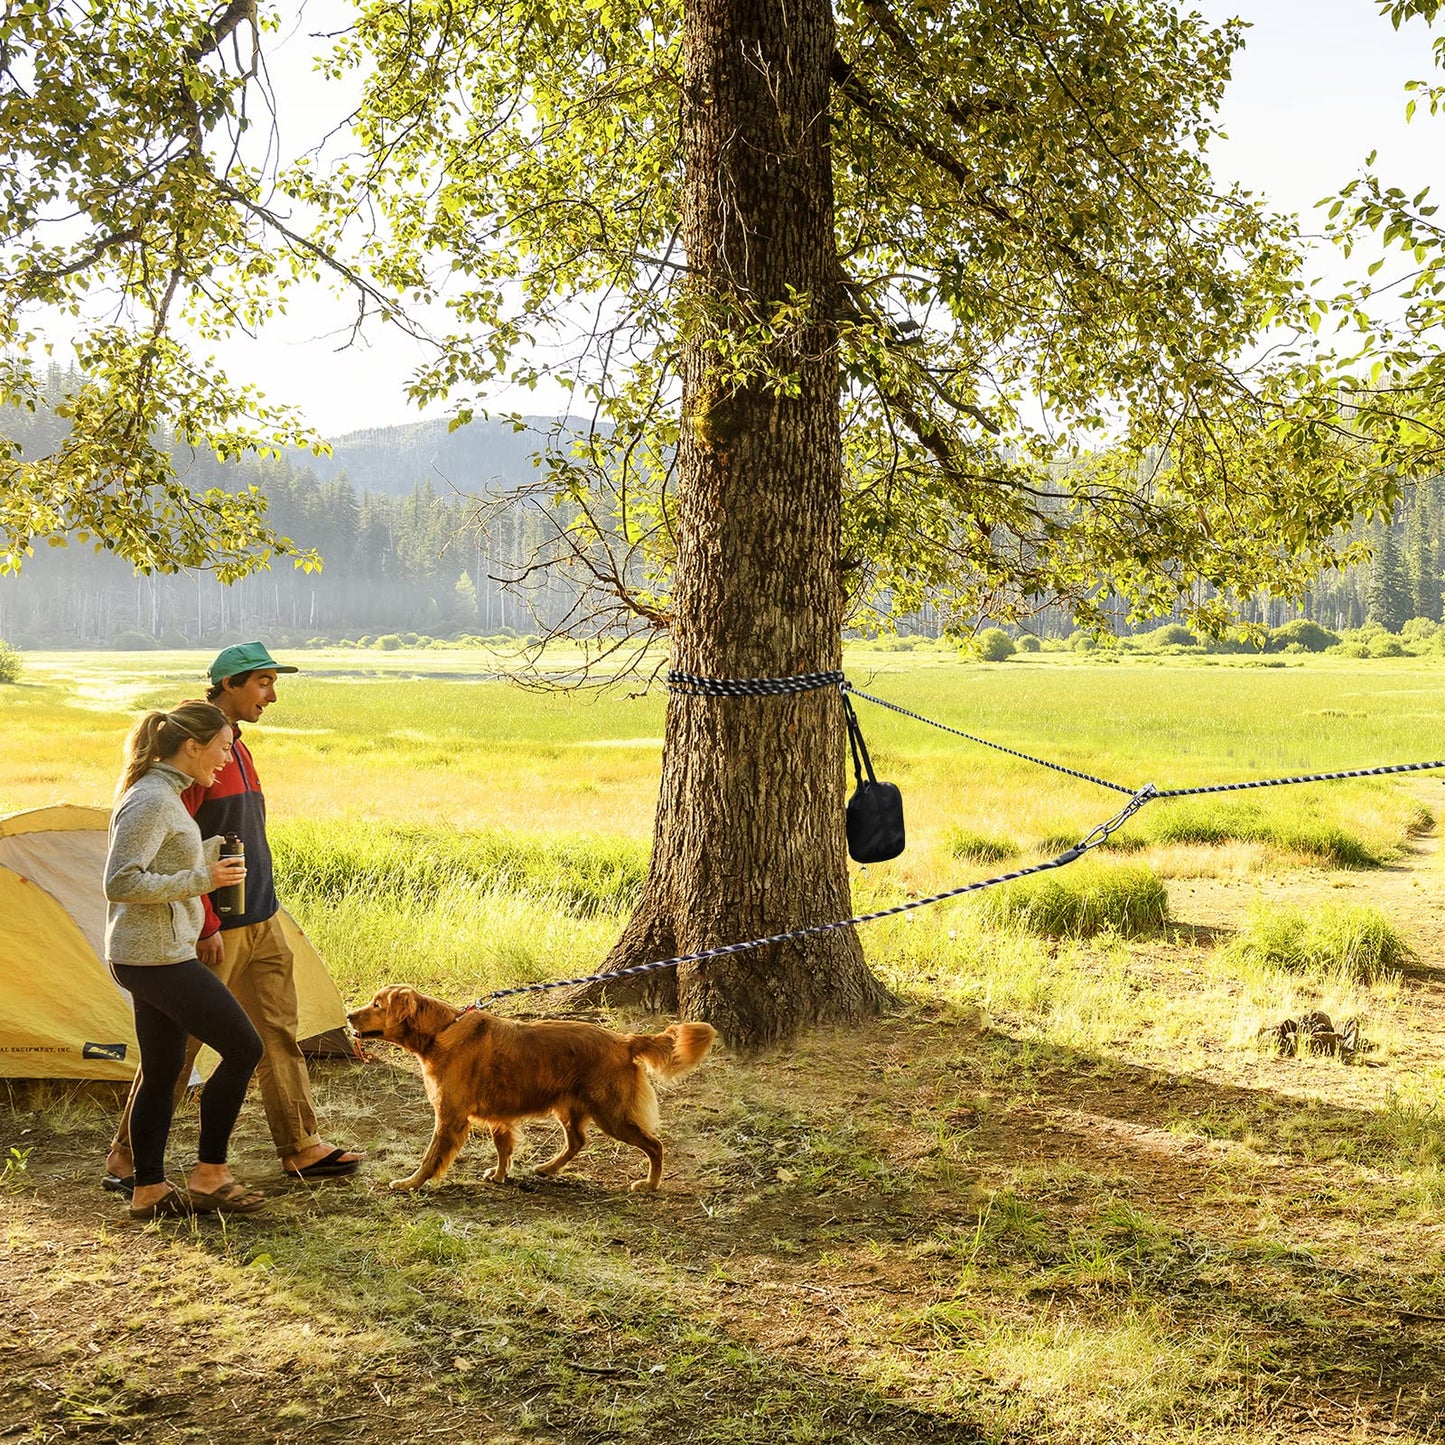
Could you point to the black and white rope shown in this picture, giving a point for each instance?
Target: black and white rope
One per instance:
(813, 929)
(1303, 778)
(1162, 792)
(695, 685)
(1043, 763)
(698, 685)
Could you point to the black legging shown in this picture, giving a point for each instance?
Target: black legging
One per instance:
(174, 1001)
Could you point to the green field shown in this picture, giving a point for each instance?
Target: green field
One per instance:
(529, 813)
(1063, 1192)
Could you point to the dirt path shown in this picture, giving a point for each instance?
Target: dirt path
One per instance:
(1410, 891)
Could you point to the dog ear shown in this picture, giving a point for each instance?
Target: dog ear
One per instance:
(403, 1003)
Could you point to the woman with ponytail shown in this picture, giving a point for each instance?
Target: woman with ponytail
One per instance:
(156, 870)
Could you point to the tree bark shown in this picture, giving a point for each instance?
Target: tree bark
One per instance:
(749, 838)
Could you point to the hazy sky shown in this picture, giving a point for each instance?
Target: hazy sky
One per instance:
(1319, 84)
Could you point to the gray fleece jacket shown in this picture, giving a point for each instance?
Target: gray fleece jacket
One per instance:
(156, 869)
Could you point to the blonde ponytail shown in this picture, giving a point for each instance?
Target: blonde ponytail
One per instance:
(160, 735)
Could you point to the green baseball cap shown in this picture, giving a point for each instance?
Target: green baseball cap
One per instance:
(245, 657)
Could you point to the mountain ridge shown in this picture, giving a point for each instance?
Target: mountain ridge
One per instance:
(479, 458)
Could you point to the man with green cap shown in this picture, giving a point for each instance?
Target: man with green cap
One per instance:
(249, 950)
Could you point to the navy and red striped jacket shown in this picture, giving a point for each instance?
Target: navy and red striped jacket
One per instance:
(234, 803)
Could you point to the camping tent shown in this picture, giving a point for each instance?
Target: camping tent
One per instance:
(62, 1016)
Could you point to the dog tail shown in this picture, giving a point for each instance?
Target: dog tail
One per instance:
(675, 1050)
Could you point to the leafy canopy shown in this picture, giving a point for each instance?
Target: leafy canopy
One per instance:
(1049, 321)
(1394, 372)
(131, 214)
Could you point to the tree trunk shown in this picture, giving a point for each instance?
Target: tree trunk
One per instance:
(749, 833)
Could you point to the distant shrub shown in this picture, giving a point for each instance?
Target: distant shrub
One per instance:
(1083, 641)
(1347, 939)
(1308, 636)
(1386, 646)
(1029, 643)
(388, 642)
(1363, 635)
(9, 662)
(970, 847)
(890, 642)
(1081, 902)
(1172, 634)
(1227, 646)
(1419, 629)
(133, 641)
(993, 644)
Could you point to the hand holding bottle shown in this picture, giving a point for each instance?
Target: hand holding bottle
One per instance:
(230, 897)
(225, 872)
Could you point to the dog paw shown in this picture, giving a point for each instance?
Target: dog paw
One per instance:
(495, 1176)
(643, 1186)
(412, 1183)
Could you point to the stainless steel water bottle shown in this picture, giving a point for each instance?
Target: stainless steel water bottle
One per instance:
(231, 900)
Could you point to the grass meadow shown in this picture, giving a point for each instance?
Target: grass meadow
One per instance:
(1064, 1192)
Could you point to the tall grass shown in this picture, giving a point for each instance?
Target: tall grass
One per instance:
(454, 912)
(1344, 940)
(1212, 821)
(582, 876)
(970, 847)
(1086, 900)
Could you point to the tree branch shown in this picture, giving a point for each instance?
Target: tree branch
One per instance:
(852, 88)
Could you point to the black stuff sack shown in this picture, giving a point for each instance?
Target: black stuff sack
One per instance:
(875, 811)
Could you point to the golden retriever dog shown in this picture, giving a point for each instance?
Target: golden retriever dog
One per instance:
(481, 1068)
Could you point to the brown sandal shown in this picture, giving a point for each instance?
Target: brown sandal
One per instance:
(233, 1197)
(171, 1204)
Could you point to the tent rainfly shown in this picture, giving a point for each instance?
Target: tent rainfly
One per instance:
(62, 1016)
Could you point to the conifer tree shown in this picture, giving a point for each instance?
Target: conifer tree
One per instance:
(1388, 599)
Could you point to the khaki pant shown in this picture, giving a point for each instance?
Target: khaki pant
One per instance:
(257, 966)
